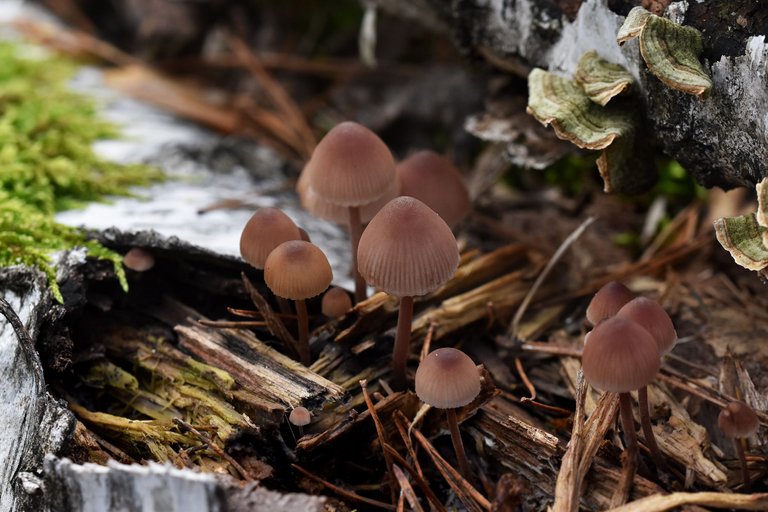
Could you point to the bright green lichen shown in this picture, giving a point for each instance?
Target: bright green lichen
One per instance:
(47, 163)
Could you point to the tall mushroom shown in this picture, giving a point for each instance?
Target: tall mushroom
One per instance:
(620, 357)
(407, 250)
(447, 379)
(739, 421)
(298, 270)
(434, 180)
(351, 167)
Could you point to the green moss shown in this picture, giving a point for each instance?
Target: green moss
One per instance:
(47, 163)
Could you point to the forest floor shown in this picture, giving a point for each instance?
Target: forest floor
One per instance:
(196, 351)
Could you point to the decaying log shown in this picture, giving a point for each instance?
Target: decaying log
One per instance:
(31, 421)
(719, 139)
(159, 488)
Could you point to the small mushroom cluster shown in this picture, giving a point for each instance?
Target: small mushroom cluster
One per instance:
(623, 353)
(293, 268)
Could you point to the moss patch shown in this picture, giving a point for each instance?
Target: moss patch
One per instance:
(47, 163)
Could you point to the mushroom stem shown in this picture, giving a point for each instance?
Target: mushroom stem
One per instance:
(630, 451)
(645, 421)
(739, 444)
(402, 342)
(303, 317)
(458, 445)
(301, 431)
(355, 231)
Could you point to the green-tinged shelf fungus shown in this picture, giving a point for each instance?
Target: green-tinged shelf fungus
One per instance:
(563, 104)
(600, 79)
(670, 51)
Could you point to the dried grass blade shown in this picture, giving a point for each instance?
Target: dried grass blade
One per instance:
(659, 503)
(470, 496)
(350, 495)
(406, 488)
(420, 481)
(382, 439)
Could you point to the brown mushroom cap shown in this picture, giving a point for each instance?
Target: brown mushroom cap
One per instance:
(738, 420)
(608, 301)
(434, 180)
(351, 166)
(322, 209)
(297, 270)
(336, 302)
(300, 416)
(651, 316)
(620, 356)
(447, 378)
(138, 260)
(266, 229)
(407, 249)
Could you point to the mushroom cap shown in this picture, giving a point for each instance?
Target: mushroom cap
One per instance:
(620, 356)
(407, 249)
(336, 302)
(297, 270)
(608, 301)
(651, 316)
(447, 378)
(266, 229)
(738, 420)
(351, 166)
(300, 416)
(434, 180)
(138, 260)
(322, 209)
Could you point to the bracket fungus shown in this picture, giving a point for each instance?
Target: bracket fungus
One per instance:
(739, 421)
(447, 379)
(351, 167)
(298, 270)
(745, 237)
(562, 103)
(600, 79)
(407, 250)
(670, 51)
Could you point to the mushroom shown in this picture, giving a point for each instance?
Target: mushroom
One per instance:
(336, 302)
(447, 379)
(266, 229)
(739, 421)
(621, 356)
(138, 260)
(300, 417)
(298, 270)
(649, 315)
(351, 167)
(406, 250)
(434, 180)
(608, 301)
